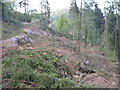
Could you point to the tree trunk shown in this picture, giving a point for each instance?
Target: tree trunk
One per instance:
(79, 32)
(3, 11)
(86, 34)
(118, 37)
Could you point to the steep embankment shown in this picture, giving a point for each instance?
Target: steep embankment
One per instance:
(52, 58)
(11, 29)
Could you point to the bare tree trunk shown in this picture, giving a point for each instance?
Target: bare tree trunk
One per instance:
(86, 37)
(117, 43)
(25, 12)
(118, 37)
(45, 12)
(79, 32)
(3, 11)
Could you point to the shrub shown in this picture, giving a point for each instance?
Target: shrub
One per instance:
(64, 83)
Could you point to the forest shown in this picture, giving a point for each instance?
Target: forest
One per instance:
(75, 47)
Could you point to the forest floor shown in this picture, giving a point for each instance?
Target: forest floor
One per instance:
(91, 68)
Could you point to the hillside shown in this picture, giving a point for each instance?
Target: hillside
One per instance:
(10, 29)
(50, 61)
(75, 47)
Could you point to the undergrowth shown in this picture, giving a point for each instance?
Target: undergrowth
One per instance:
(37, 68)
(32, 68)
(9, 30)
(110, 53)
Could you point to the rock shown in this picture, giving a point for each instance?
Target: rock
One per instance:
(21, 40)
(29, 32)
(87, 63)
(82, 65)
(114, 83)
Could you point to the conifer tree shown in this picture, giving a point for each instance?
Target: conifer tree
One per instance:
(24, 3)
(99, 21)
(89, 32)
(45, 12)
(74, 10)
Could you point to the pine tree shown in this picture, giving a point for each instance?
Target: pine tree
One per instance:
(112, 29)
(24, 3)
(117, 8)
(79, 30)
(118, 37)
(62, 23)
(99, 21)
(112, 26)
(45, 12)
(74, 11)
(89, 32)
(75, 17)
